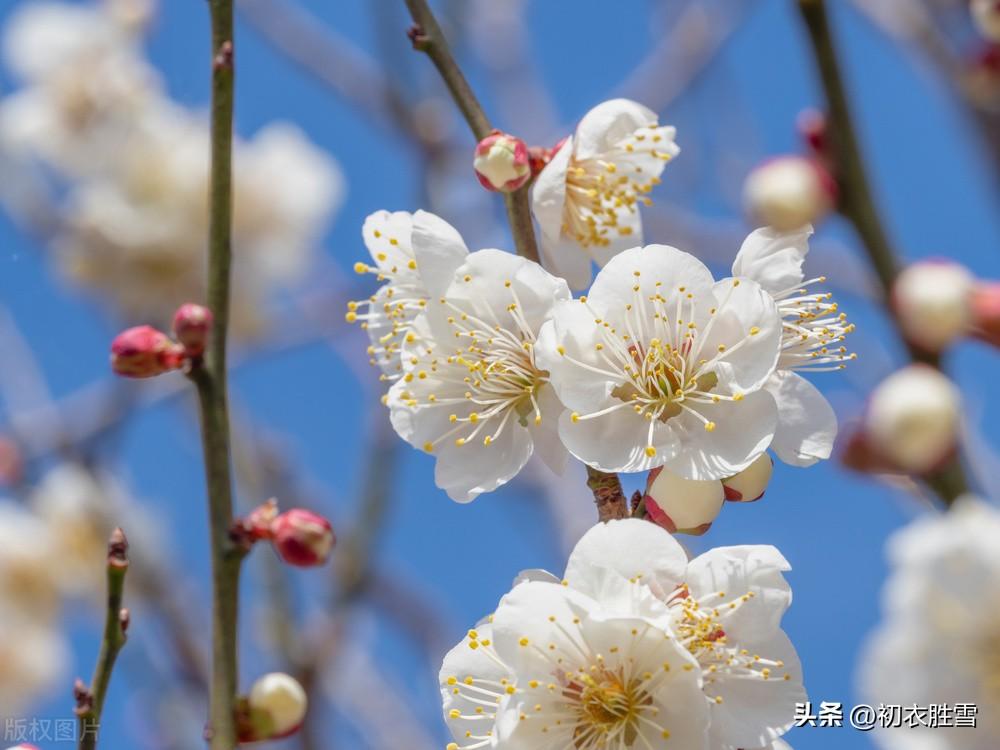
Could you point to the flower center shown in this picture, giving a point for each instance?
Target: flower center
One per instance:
(608, 708)
(812, 330)
(601, 190)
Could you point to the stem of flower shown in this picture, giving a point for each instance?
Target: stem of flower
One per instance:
(857, 204)
(427, 38)
(90, 701)
(210, 378)
(608, 495)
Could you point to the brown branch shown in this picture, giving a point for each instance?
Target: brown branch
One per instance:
(608, 495)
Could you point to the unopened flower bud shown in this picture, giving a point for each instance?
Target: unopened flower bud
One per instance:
(986, 312)
(501, 163)
(986, 14)
(913, 418)
(750, 484)
(143, 351)
(812, 127)
(789, 192)
(23, 746)
(681, 505)
(192, 324)
(258, 523)
(274, 709)
(933, 301)
(11, 462)
(302, 538)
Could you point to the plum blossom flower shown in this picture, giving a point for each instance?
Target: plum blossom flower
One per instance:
(938, 641)
(661, 366)
(585, 663)
(586, 198)
(812, 332)
(415, 255)
(472, 392)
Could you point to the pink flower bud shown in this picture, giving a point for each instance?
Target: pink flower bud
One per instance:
(260, 520)
(302, 538)
(11, 462)
(192, 324)
(812, 127)
(502, 163)
(789, 192)
(933, 302)
(749, 485)
(23, 746)
(986, 312)
(275, 708)
(986, 14)
(142, 352)
(685, 506)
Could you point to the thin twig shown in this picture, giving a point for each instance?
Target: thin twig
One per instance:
(427, 38)
(90, 700)
(857, 202)
(608, 495)
(210, 378)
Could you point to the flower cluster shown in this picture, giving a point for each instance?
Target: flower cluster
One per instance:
(659, 365)
(634, 647)
(131, 167)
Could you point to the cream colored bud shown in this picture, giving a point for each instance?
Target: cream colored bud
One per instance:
(688, 506)
(913, 418)
(282, 700)
(788, 192)
(749, 484)
(986, 14)
(933, 300)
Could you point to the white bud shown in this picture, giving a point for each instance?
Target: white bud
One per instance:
(788, 192)
(933, 300)
(749, 484)
(913, 418)
(685, 505)
(282, 699)
(986, 14)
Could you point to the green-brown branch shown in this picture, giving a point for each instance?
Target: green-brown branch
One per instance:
(857, 202)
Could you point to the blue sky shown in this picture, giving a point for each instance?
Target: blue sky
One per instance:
(933, 186)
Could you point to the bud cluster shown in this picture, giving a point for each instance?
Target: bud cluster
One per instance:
(145, 352)
(299, 537)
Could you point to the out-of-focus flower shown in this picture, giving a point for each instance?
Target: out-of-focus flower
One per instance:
(811, 341)
(661, 366)
(473, 393)
(501, 163)
(681, 505)
(11, 462)
(937, 644)
(933, 301)
(789, 192)
(913, 418)
(144, 352)
(986, 14)
(986, 312)
(30, 560)
(638, 644)
(33, 657)
(749, 484)
(302, 538)
(276, 705)
(191, 326)
(416, 255)
(586, 199)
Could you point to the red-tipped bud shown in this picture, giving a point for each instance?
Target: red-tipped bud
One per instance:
(789, 192)
(192, 324)
(502, 163)
(986, 14)
(275, 708)
(812, 127)
(685, 506)
(986, 312)
(258, 523)
(933, 302)
(302, 538)
(749, 485)
(143, 352)
(24, 746)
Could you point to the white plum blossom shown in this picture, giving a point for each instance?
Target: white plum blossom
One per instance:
(472, 392)
(29, 563)
(939, 642)
(659, 365)
(33, 658)
(635, 647)
(586, 199)
(812, 334)
(415, 255)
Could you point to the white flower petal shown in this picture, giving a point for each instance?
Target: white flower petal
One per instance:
(438, 249)
(548, 193)
(773, 258)
(387, 237)
(807, 425)
(545, 435)
(604, 126)
(616, 442)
